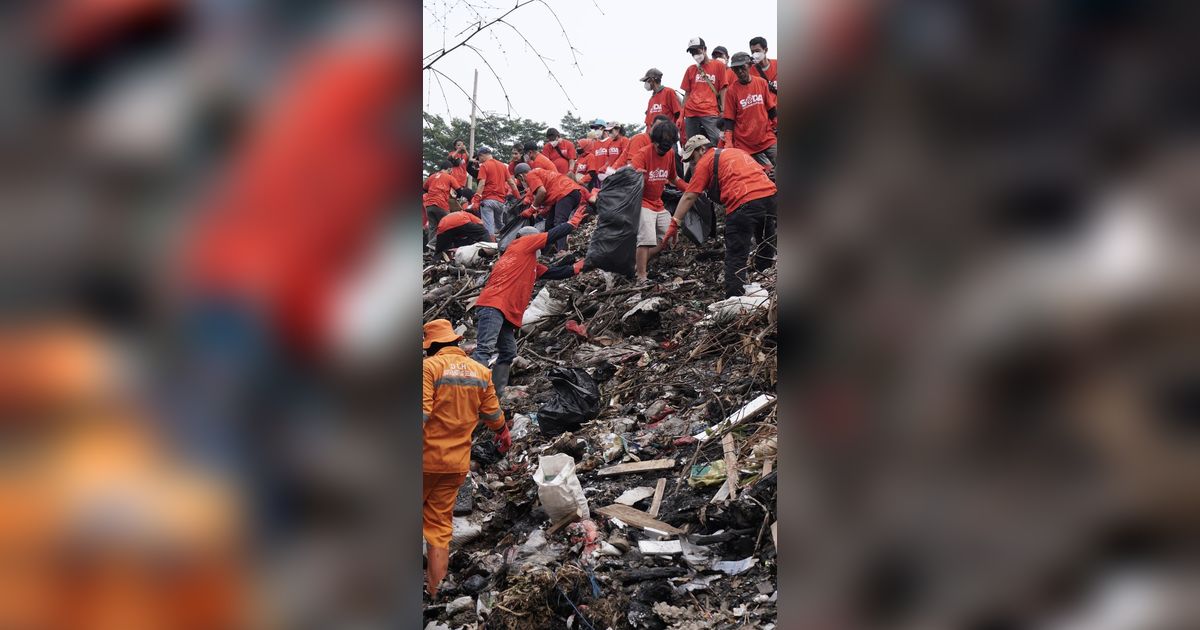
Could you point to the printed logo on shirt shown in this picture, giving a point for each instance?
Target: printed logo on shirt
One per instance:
(655, 108)
(752, 99)
(658, 174)
(602, 151)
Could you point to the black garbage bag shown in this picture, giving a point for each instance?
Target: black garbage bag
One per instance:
(618, 208)
(510, 229)
(576, 400)
(699, 221)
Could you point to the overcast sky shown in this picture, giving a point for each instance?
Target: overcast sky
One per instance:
(616, 42)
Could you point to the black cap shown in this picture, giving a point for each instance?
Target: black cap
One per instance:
(531, 146)
(696, 42)
(720, 50)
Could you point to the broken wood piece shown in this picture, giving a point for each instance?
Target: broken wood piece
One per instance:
(767, 467)
(632, 467)
(731, 475)
(658, 495)
(751, 409)
(660, 547)
(775, 534)
(633, 495)
(721, 537)
(563, 522)
(637, 518)
(722, 493)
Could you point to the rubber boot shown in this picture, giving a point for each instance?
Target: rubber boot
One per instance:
(438, 564)
(500, 377)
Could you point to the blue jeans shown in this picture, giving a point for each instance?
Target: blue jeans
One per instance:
(493, 332)
(492, 213)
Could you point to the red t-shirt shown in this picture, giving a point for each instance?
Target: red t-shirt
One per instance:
(437, 190)
(747, 105)
(512, 166)
(659, 169)
(772, 71)
(599, 160)
(701, 100)
(496, 175)
(635, 144)
(510, 286)
(742, 178)
(615, 150)
(568, 149)
(459, 173)
(456, 219)
(557, 185)
(541, 161)
(664, 102)
(581, 163)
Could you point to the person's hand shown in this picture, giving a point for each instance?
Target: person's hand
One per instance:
(503, 440)
(476, 200)
(578, 267)
(672, 233)
(528, 212)
(578, 217)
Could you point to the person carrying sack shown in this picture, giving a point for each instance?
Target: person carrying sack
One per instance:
(738, 181)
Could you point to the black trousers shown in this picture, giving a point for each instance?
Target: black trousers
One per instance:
(561, 214)
(461, 236)
(750, 229)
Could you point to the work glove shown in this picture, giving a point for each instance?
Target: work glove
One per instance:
(503, 440)
(672, 233)
(475, 201)
(578, 267)
(578, 216)
(726, 140)
(528, 212)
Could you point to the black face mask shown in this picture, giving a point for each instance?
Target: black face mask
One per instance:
(662, 148)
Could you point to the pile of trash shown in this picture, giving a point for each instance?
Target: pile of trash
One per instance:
(640, 490)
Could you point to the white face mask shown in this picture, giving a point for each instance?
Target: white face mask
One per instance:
(698, 57)
(758, 56)
(594, 133)
(649, 85)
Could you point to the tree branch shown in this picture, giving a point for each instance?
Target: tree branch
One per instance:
(542, 58)
(574, 57)
(478, 28)
(507, 100)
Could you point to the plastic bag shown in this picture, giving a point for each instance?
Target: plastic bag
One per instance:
(475, 254)
(541, 307)
(510, 229)
(618, 206)
(576, 400)
(698, 222)
(558, 487)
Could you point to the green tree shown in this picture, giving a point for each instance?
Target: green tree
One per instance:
(498, 132)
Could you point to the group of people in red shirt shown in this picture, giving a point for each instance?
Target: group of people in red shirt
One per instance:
(726, 121)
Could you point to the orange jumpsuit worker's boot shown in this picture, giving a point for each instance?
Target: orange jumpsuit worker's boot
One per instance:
(439, 561)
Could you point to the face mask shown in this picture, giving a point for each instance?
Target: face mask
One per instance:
(662, 148)
(593, 133)
(649, 85)
(699, 58)
(758, 56)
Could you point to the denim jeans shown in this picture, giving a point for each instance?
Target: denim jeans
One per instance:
(492, 333)
(703, 125)
(492, 213)
(753, 220)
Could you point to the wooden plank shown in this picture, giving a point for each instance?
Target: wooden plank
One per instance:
(563, 522)
(775, 534)
(658, 495)
(751, 409)
(767, 468)
(633, 495)
(731, 474)
(722, 494)
(637, 518)
(632, 467)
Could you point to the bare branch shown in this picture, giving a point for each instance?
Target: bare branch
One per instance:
(542, 58)
(478, 29)
(574, 58)
(443, 89)
(460, 88)
(507, 100)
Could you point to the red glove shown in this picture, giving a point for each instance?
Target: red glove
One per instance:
(671, 234)
(503, 440)
(476, 200)
(578, 217)
(726, 140)
(578, 267)
(528, 212)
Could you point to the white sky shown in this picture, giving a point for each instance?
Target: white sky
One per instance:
(616, 42)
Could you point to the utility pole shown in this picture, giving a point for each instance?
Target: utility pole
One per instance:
(474, 92)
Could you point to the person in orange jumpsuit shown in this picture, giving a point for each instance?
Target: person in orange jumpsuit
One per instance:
(457, 394)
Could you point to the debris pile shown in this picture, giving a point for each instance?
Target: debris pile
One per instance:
(677, 527)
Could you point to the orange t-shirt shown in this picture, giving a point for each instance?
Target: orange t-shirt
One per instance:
(541, 161)
(615, 150)
(664, 102)
(510, 287)
(747, 105)
(742, 178)
(456, 220)
(581, 163)
(437, 190)
(557, 185)
(659, 169)
(496, 175)
(772, 71)
(456, 394)
(459, 173)
(635, 144)
(568, 149)
(701, 99)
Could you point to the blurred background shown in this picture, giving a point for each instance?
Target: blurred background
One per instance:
(992, 306)
(209, 212)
